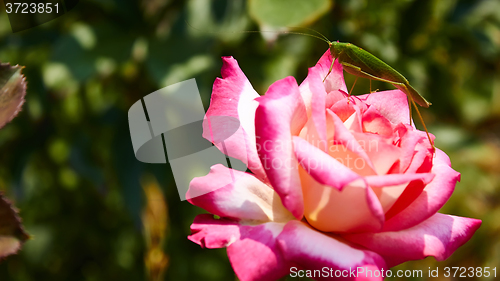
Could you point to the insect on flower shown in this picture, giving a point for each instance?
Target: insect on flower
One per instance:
(361, 63)
(358, 62)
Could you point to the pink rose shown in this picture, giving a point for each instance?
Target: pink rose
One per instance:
(336, 185)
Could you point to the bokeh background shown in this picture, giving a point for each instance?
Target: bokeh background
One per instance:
(96, 213)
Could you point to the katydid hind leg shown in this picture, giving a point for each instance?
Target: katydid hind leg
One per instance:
(422, 121)
(352, 87)
(405, 88)
(409, 108)
(356, 71)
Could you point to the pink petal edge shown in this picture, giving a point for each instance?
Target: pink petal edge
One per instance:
(280, 115)
(234, 96)
(438, 236)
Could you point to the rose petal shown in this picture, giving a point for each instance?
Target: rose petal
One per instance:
(310, 134)
(234, 96)
(408, 139)
(374, 122)
(345, 110)
(323, 168)
(334, 81)
(213, 233)
(280, 115)
(396, 179)
(252, 250)
(381, 152)
(389, 188)
(356, 208)
(334, 97)
(233, 194)
(344, 137)
(392, 104)
(256, 256)
(438, 236)
(313, 250)
(422, 160)
(408, 212)
(318, 105)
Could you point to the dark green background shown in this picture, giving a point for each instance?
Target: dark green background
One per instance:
(67, 159)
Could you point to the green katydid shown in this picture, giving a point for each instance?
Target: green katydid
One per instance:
(360, 63)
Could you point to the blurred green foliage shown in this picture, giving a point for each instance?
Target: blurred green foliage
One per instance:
(67, 159)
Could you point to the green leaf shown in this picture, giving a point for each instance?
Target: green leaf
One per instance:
(287, 13)
(12, 92)
(12, 233)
